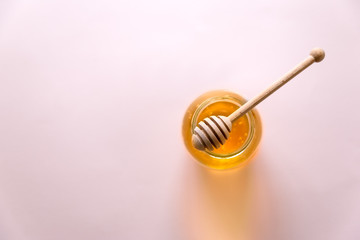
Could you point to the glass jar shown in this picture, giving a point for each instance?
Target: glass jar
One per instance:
(244, 138)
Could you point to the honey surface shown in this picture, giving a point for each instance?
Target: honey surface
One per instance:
(240, 127)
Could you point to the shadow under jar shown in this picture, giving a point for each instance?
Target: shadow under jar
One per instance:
(244, 138)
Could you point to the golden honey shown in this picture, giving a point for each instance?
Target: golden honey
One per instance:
(244, 137)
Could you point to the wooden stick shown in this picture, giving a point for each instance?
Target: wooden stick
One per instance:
(316, 55)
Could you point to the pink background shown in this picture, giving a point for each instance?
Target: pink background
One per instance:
(92, 95)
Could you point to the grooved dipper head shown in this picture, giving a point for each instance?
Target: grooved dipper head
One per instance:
(211, 133)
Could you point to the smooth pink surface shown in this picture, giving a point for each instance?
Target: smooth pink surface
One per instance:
(92, 97)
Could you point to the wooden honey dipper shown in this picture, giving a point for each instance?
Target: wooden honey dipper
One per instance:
(213, 131)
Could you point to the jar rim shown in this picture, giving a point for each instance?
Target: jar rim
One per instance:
(236, 101)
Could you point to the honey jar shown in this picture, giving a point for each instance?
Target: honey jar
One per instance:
(244, 138)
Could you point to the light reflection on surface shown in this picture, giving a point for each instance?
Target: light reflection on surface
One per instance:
(227, 205)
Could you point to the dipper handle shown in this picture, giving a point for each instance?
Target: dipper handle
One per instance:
(316, 55)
